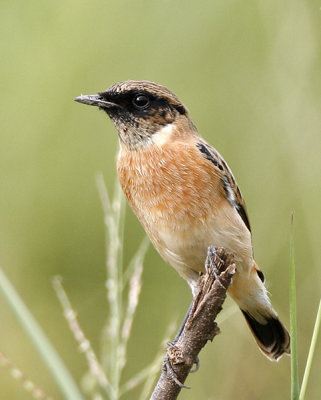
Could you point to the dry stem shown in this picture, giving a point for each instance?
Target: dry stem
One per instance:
(200, 325)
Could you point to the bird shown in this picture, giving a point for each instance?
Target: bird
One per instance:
(186, 197)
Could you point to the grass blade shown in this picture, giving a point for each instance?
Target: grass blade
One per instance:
(42, 344)
(293, 325)
(311, 353)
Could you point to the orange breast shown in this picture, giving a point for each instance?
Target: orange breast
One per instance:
(169, 184)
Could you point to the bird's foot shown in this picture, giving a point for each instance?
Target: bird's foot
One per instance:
(174, 356)
(214, 262)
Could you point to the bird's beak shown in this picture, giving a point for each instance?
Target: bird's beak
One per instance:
(95, 100)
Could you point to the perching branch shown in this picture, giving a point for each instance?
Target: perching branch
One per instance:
(199, 327)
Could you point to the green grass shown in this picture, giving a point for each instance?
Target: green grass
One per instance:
(293, 323)
(296, 393)
(311, 353)
(51, 358)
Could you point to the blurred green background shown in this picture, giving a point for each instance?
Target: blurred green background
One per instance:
(249, 72)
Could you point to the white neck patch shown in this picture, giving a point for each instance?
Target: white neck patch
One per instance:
(163, 135)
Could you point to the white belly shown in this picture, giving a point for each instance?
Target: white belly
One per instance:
(185, 246)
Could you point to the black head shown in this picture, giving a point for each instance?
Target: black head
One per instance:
(138, 109)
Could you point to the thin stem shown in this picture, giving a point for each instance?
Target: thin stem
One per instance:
(114, 221)
(84, 344)
(311, 353)
(117, 272)
(293, 325)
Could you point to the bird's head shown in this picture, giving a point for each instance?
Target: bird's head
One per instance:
(140, 111)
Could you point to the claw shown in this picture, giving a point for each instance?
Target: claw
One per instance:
(197, 365)
(211, 266)
(172, 374)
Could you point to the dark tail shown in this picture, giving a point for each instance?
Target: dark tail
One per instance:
(272, 337)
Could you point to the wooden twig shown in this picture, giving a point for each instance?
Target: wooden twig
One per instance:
(200, 325)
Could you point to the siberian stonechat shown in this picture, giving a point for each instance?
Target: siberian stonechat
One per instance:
(186, 197)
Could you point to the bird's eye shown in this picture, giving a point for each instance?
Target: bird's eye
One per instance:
(141, 101)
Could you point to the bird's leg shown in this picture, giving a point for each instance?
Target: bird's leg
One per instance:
(181, 328)
(190, 312)
(172, 345)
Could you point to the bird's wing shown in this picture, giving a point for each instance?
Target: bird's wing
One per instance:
(232, 191)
